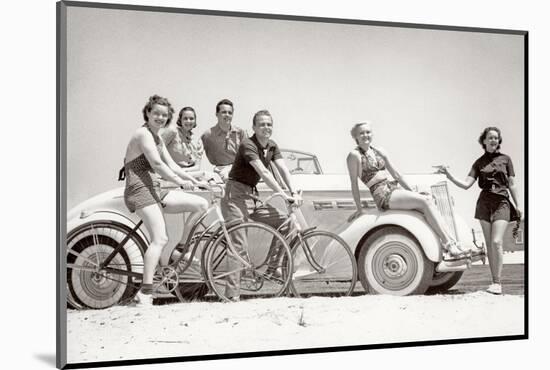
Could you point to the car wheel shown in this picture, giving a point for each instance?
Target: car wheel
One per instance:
(443, 281)
(392, 262)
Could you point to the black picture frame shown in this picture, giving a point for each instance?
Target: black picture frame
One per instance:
(63, 125)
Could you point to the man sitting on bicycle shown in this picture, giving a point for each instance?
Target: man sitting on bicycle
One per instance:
(251, 161)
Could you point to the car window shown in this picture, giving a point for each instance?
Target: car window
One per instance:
(301, 163)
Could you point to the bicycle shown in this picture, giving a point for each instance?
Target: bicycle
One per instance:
(105, 261)
(323, 262)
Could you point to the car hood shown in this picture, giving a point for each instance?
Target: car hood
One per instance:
(341, 182)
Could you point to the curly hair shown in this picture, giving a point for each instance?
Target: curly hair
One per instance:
(483, 136)
(188, 109)
(222, 102)
(263, 112)
(156, 99)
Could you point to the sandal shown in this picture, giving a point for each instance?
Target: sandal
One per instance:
(454, 252)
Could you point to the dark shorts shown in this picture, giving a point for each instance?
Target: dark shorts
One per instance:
(492, 207)
(381, 193)
(143, 196)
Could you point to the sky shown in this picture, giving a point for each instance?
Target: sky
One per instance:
(428, 93)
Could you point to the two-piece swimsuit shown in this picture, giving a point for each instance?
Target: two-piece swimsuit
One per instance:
(380, 190)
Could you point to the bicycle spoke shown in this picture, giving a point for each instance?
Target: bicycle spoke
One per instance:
(91, 285)
(258, 244)
(327, 266)
(91, 262)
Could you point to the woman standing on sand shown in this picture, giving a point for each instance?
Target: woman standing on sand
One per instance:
(495, 174)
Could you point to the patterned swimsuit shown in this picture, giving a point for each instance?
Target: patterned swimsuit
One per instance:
(382, 190)
(142, 184)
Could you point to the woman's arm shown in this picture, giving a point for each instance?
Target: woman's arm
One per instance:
(466, 184)
(148, 147)
(513, 191)
(354, 167)
(167, 158)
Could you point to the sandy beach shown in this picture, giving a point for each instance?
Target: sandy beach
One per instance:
(202, 328)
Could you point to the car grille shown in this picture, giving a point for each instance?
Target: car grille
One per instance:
(444, 203)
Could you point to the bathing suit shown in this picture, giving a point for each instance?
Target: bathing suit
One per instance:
(382, 190)
(142, 184)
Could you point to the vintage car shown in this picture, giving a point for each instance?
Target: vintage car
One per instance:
(397, 252)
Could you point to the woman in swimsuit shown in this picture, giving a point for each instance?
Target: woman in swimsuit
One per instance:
(494, 209)
(146, 156)
(369, 164)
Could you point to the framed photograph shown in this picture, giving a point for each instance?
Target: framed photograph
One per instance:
(242, 184)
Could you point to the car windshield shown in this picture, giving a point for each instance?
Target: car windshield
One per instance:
(301, 163)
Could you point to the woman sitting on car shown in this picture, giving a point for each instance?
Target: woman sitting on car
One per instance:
(369, 164)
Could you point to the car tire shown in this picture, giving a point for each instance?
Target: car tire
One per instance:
(391, 261)
(443, 281)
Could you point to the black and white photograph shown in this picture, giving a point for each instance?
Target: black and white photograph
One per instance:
(244, 183)
(291, 187)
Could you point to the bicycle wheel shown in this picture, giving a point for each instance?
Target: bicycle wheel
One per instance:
(268, 258)
(323, 265)
(88, 285)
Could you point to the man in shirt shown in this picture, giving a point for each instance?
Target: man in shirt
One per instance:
(222, 141)
(253, 157)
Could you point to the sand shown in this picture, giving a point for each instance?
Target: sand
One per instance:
(201, 328)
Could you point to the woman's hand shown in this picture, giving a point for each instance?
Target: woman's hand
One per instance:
(520, 213)
(442, 169)
(187, 185)
(203, 185)
(357, 214)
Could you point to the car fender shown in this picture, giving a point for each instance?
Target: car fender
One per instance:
(358, 230)
(106, 215)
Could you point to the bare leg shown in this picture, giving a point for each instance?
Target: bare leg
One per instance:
(407, 200)
(153, 219)
(181, 202)
(494, 235)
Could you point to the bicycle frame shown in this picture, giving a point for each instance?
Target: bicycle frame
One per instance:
(219, 225)
(295, 233)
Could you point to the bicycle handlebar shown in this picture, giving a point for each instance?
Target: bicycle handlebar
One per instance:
(289, 202)
(214, 186)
